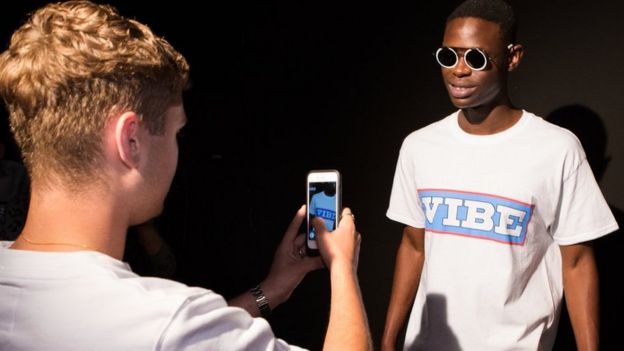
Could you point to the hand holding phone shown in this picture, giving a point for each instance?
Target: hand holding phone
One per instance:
(323, 188)
(341, 245)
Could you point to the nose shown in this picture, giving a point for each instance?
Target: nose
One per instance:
(461, 69)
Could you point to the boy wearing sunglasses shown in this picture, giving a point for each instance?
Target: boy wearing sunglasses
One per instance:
(499, 209)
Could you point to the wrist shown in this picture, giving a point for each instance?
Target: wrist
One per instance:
(262, 301)
(342, 266)
(388, 343)
(274, 290)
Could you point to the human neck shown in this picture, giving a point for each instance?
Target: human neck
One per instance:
(64, 221)
(486, 120)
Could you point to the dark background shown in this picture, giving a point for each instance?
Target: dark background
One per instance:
(281, 87)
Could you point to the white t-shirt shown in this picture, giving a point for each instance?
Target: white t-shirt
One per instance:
(495, 209)
(90, 301)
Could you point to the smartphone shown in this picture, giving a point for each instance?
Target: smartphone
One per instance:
(324, 196)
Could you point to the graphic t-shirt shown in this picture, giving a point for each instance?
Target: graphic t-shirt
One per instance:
(495, 209)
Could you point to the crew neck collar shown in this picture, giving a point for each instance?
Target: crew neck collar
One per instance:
(487, 138)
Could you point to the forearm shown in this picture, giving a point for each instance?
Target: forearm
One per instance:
(348, 327)
(407, 272)
(580, 279)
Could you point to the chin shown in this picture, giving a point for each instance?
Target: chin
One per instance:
(147, 215)
(463, 104)
(156, 212)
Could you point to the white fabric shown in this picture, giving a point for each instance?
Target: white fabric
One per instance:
(90, 301)
(494, 208)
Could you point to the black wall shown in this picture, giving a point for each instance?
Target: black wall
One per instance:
(280, 88)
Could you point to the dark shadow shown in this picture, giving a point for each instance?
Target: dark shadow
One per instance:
(14, 188)
(589, 128)
(587, 125)
(147, 252)
(434, 323)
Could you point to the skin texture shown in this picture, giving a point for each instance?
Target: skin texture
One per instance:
(348, 326)
(101, 214)
(580, 285)
(408, 268)
(486, 109)
(481, 95)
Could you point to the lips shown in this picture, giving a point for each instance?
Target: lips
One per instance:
(461, 91)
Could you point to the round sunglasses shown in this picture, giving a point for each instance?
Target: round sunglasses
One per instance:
(476, 59)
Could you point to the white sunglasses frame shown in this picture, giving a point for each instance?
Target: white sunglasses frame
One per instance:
(487, 57)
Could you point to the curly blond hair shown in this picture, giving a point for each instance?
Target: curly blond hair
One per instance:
(71, 67)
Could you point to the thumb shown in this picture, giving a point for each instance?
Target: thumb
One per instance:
(291, 231)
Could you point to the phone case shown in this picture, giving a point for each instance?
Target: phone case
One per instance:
(324, 202)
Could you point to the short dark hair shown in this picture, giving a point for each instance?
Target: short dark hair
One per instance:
(496, 11)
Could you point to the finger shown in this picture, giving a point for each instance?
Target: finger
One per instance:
(319, 226)
(346, 219)
(294, 225)
(300, 254)
(298, 246)
(299, 241)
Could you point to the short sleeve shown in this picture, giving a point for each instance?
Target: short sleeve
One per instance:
(205, 322)
(583, 213)
(405, 206)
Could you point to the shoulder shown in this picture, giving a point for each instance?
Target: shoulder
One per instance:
(118, 285)
(551, 133)
(553, 143)
(204, 321)
(100, 296)
(168, 294)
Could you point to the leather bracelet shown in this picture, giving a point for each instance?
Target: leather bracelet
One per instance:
(261, 301)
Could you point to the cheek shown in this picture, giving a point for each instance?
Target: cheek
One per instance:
(167, 154)
(491, 85)
(176, 153)
(172, 158)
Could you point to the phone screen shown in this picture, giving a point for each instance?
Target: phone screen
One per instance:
(323, 202)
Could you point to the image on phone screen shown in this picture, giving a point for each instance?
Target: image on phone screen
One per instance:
(323, 202)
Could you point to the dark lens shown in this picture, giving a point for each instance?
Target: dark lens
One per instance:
(446, 57)
(475, 59)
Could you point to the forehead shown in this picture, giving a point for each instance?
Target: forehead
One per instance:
(470, 32)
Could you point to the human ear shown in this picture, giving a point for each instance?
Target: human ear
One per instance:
(127, 139)
(515, 56)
